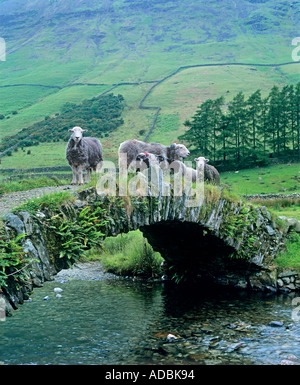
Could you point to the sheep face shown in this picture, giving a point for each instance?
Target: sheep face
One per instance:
(76, 133)
(143, 160)
(201, 159)
(181, 151)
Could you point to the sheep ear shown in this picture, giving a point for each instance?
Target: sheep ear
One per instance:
(70, 130)
(206, 160)
(195, 160)
(84, 130)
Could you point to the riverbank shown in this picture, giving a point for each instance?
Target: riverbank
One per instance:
(87, 271)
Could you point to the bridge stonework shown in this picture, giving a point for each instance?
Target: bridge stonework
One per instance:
(222, 240)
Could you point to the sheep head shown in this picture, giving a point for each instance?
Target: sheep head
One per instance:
(143, 160)
(180, 151)
(76, 133)
(201, 160)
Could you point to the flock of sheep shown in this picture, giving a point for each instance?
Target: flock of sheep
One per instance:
(85, 154)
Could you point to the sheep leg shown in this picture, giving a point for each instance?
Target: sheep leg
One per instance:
(88, 175)
(80, 175)
(74, 170)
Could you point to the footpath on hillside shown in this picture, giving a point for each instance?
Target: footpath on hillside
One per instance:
(9, 201)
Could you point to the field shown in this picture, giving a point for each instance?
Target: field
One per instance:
(67, 52)
(277, 179)
(170, 55)
(283, 178)
(178, 96)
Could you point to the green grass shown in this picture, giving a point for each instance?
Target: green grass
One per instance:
(178, 96)
(48, 103)
(134, 43)
(293, 212)
(50, 201)
(282, 178)
(128, 255)
(291, 257)
(29, 184)
(181, 94)
(43, 155)
(288, 207)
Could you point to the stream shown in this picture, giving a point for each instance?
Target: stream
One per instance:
(99, 318)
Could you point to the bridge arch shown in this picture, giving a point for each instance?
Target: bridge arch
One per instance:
(223, 239)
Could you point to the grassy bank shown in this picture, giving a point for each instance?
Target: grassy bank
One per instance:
(282, 207)
(128, 255)
(291, 257)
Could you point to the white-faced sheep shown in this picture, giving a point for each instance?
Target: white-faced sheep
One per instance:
(211, 174)
(129, 150)
(150, 167)
(83, 154)
(146, 160)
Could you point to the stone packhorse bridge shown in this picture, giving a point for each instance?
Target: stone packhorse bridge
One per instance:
(222, 240)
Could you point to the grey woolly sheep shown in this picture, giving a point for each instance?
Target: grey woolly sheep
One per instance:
(211, 174)
(83, 154)
(129, 150)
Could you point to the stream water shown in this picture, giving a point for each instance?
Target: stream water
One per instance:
(108, 320)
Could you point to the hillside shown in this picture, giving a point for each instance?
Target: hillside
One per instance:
(73, 50)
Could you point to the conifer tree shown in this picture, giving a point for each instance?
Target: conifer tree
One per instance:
(254, 110)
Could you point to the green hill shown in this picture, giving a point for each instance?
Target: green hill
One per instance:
(73, 50)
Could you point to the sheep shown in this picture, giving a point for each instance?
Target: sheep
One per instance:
(211, 174)
(129, 150)
(83, 154)
(150, 175)
(190, 173)
(178, 166)
(146, 160)
(150, 167)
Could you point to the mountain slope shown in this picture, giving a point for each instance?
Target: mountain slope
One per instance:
(55, 44)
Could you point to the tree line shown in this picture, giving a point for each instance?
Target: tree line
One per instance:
(247, 131)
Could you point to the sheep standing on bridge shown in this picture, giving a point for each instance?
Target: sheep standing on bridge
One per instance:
(150, 169)
(83, 154)
(211, 174)
(129, 150)
(188, 172)
(146, 160)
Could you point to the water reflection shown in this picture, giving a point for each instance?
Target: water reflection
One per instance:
(115, 321)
